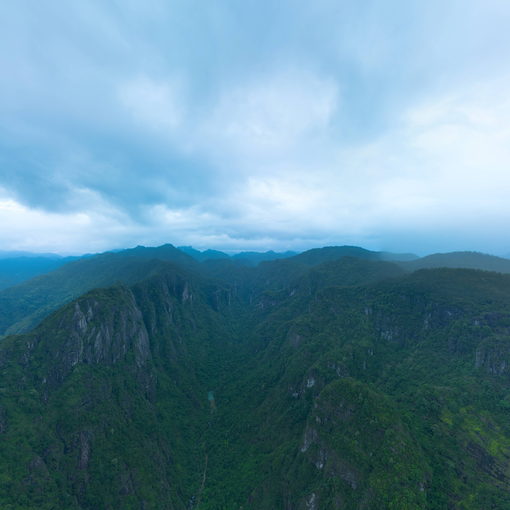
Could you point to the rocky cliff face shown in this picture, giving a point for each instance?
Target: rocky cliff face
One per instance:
(99, 334)
(102, 328)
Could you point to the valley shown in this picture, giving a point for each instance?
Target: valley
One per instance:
(337, 382)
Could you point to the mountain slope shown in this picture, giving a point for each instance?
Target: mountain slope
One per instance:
(23, 306)
(252, 258)
(248, 258)
(330, 253)
(114, 407)
(460, 259)
(347, 386)
(418, 359)
(200, 256)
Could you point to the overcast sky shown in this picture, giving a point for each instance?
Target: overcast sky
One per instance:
(255, 124)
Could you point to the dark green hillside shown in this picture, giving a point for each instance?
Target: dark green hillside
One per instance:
(203, 255)
(346, 385)
(392, 395)
(288, 275)
(330, 253)
(252, 258)
(104, 405)
(460, 259)
(166, 252)
(247, 258)
(23, 306)
(348, 272)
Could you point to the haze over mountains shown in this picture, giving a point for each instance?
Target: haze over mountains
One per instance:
(16, 267)
(338, 378)
(24, 305)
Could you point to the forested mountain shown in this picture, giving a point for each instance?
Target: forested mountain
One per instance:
(249, 258)
(252, 258)
(203, 255)
(460, 259)
(23, 306)
(304, 383)
(328, 253)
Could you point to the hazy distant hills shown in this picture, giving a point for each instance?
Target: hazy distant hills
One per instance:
(12, 254)
(309, 257)
(249, 258)
(60, 280)
(460, 259)
(329, 253)
(309, 382)
(252, 258)
(22, 306)
(16, 268)
(203, 255)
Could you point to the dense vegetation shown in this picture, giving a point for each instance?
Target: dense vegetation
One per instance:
(313, 382)
(24, 305)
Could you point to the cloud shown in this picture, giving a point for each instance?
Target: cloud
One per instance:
(238, 123)
(273, 113)
(156, 106)
(29, 229)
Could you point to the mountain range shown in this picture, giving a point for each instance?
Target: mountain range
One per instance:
(337, 378)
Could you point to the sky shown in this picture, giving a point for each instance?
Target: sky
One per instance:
(255, 124)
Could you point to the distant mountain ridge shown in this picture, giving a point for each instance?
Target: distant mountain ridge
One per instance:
(15, 269)
(9, 254)
(329, 253)
(250, 258)
(203, 255)
(309, 257)
(459, 259)
(24, 305)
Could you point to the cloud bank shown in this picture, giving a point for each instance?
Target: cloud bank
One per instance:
(254, 125)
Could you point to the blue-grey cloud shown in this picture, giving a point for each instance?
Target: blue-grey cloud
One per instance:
(253, 124)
